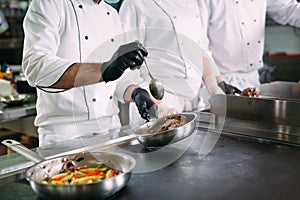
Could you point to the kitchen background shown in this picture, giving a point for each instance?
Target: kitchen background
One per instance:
(282, 48)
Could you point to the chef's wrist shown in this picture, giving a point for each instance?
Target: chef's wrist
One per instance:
(128, 93)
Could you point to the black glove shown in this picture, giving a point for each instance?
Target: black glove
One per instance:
(266, 74)
(127, 56)
(147, 108)
(229, 89)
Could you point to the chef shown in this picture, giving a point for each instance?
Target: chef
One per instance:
(171, 31)
(236, 32)
(74, 53)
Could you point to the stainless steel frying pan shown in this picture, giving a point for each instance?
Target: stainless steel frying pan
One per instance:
(96, 190)
(150, 134)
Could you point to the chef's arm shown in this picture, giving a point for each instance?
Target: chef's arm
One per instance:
(227, 88)
(209, 78)
(130, 55)
(80, 74)
(284, 11)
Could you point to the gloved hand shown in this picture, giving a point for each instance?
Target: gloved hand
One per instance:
(229, 89)
(147, 108)
(127, 56)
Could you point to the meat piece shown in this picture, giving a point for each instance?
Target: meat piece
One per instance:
(250, 92)
(172, 123)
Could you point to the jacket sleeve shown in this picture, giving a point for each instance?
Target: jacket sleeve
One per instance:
(284, 11)
(41, 24)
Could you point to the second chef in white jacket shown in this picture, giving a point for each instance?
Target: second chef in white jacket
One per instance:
(175, 54)
(236, 31)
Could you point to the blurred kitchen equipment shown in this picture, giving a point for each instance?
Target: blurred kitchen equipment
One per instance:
(3, 23)
(22, 85)
(281, 89)
(266, 118)
(96, 190)
(156, 88)
(14, 100)
(280, 67)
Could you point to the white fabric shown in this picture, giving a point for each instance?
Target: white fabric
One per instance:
(175, 56)
(58, 34)
(236, 33)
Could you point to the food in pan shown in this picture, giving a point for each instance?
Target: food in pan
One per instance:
(79, 176)
(173, 123)
(250, 92)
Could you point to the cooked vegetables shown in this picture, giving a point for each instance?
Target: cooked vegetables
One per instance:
(82, 176)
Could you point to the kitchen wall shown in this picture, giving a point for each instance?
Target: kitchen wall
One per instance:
(282, 39)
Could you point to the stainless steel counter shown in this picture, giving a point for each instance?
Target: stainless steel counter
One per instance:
(234, 169)
(25, 110)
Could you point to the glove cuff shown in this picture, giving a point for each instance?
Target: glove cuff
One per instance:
(137, 91)
(222, 85)
(102, 70)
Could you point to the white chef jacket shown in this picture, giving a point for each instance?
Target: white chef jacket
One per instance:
(171, 32)
(236, 31)
(58, 34)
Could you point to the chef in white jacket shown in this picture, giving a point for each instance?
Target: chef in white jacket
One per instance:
(175, 54)
(236, 30)
(74, 55)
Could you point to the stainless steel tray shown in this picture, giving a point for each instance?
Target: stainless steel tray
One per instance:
(262, 119)
(271, 110)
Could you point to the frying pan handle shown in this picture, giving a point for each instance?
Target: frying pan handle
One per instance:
(22, 150)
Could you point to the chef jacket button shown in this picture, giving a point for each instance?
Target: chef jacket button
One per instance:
(108, 13)
(112, 40)
(251, 64)
(86, 37)
(80, 6)
(258, 41)
(254, 20)
(248, 43)
(236, 2)
(94, 99)
(174, 17)
(260, 61)
(243, 23)
(110, 97)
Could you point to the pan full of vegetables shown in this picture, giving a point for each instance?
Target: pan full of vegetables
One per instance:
(87, 175)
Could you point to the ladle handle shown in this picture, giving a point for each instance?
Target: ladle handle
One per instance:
(22, 150)
(148, 69)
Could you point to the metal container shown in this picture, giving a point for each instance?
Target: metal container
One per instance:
(149, 135)
(269, 110)
(264, 119)
(96, 190)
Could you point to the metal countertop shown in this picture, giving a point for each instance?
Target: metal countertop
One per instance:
(25, 110)
(234, 169)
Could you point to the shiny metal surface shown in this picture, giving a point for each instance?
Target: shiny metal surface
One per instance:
(97, 190)
(278, 111)
(12, 100)
(262, 119)
(148, 134)
(281, 89)
(156, 87)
